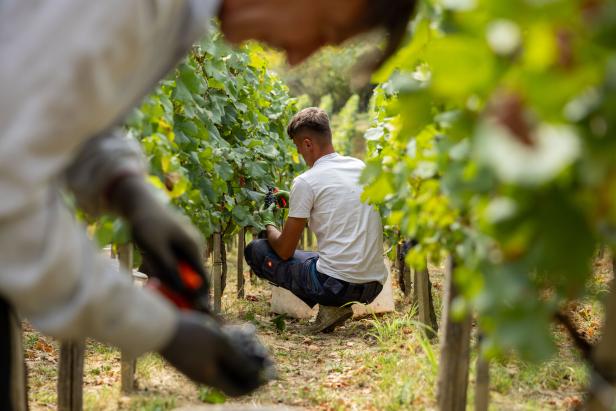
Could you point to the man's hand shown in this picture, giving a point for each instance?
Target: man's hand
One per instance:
(267, 215)
(208, 354)
(299, 27)
(282, 198)
(167, 240)
(284, 243)
(276, 196)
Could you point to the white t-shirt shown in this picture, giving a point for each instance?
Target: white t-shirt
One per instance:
(349, 232)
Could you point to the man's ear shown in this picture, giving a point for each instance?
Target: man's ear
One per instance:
(308, 143)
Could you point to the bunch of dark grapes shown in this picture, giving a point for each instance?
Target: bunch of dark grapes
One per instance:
(270, 198)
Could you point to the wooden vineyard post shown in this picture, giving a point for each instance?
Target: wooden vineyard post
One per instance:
(206, 253)
(423, 299)
(241, 239)
(230, 244)
(398, 267)
(128, 364)
(302, 241)
(602, 396)
(482, 380)
(255, 235)
(407, 276)
(224, 266)
(217, 273)
(454, 355)
(309, 239)
(70, 376)
(404, 273)
(12, 354)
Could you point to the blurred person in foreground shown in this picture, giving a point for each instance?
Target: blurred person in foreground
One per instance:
(69, 73)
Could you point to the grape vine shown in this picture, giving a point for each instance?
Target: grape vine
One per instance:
(214, 134)
(493, 139)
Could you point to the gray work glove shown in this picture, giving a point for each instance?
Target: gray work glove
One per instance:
(228, 358)
(166, 240)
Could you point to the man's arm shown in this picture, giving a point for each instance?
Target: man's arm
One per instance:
(105, 55)
(284, 243)
(300, 203)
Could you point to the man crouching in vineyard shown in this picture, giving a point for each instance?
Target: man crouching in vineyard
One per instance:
(349, 265)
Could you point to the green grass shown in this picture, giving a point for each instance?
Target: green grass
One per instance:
(149, 365)
(30, 340)
(376, 363)
(101, 398)
(154, 403)
(211, 396)
(44, 397)
(392, 327)
(403, 363)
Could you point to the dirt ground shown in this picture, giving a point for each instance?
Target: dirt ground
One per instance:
(374, 363)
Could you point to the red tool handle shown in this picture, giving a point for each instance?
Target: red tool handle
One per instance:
(189, 276)
(192, 281)
(179, 301)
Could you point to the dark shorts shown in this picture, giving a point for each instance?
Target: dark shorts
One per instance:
(300, 276)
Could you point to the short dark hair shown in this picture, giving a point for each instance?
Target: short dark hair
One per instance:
(312, 119)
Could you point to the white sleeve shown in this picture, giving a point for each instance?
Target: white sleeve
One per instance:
(301, 199)
(55, 278)
(69, 70)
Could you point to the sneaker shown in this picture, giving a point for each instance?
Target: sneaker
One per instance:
(329, 318)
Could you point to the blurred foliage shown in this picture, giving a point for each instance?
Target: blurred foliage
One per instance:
(326, 103)
(329, 80)
(214, 133)
(344, 126)
(302, 102)
(494, 139)
(329, 72)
